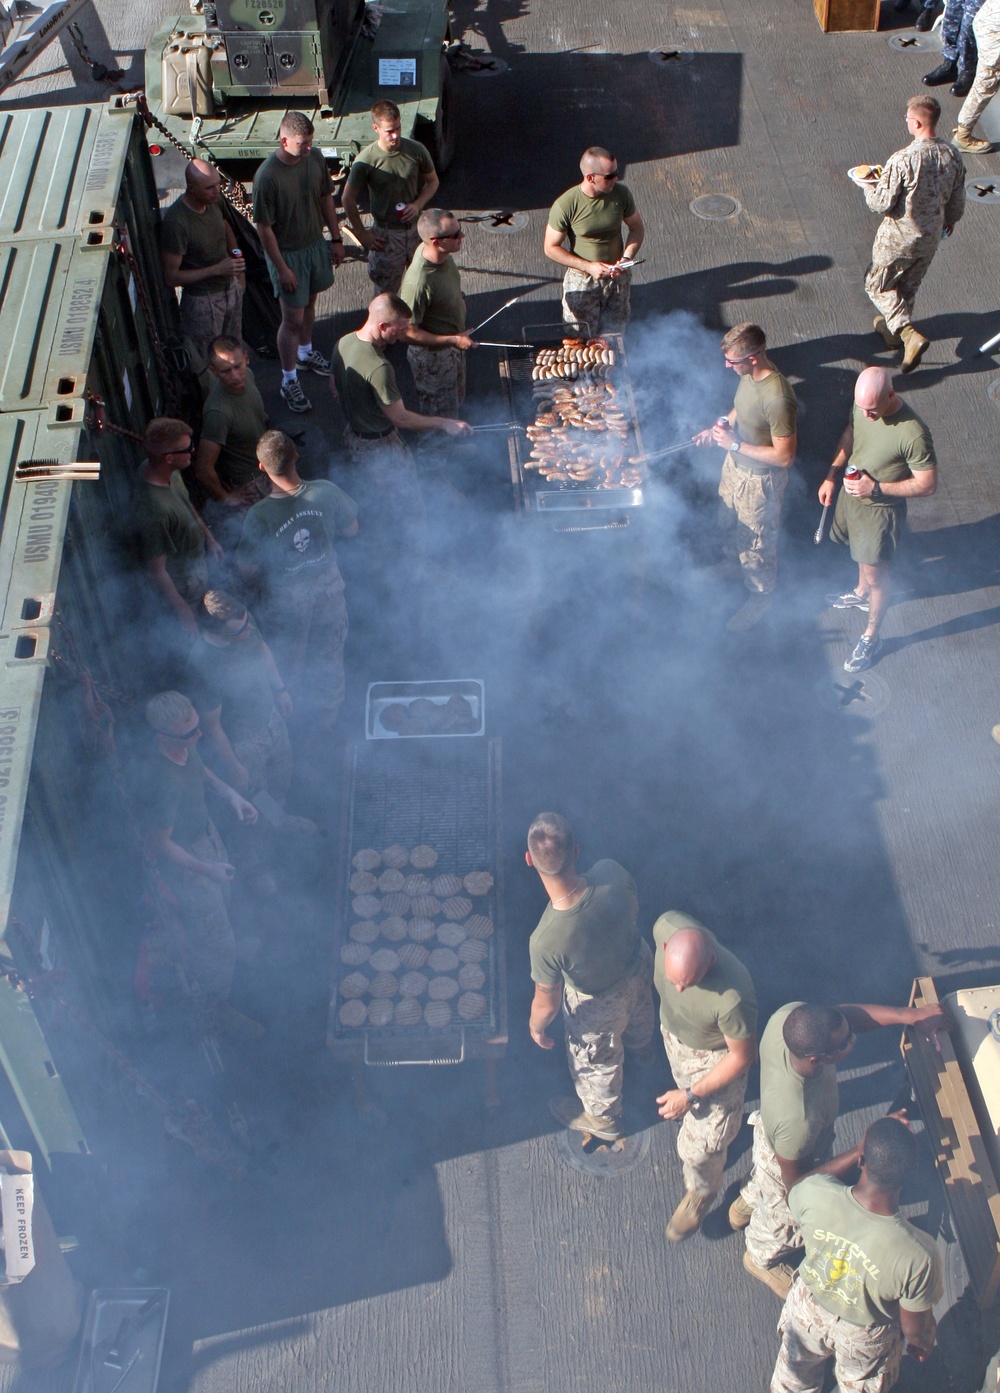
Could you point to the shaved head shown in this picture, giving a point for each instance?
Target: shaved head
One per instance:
(199, 174)
(874, 393)
(596, 160)
(687, 957)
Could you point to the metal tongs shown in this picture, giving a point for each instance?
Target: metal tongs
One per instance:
(659, 454)
(34, 469)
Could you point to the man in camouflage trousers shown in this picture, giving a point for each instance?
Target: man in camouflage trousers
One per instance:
(587, 959)
(708, 1019)
(869, 1280)
(958, 47)
(986, 27)
(921, 195)
(794, 1130)
(437, 338)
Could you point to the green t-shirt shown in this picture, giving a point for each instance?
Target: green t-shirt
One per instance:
(798, 1114)
(365, 383)
(765, 410)
(595, 944)
(389, 179)
(199, 239)
(173, 796)
(164, 523)
(594, 225)
(231, 675)
(859, 1265)
(892, 448)
(290, 535)
(235, 421)
(287, 197)
(434, 294)
(722, 1005)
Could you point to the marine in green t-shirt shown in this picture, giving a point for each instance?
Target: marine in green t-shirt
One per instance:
(595, 944)
(387, 177)
(234, 421)
(861, 1265)
(798, 1112)
(232, 675)
(433, 292)
(290, 536)
(893, 449)
(199, 240)
(164, 524)
(365, 382)
(721, 1005)
(171, 797)
(766, 409)
(592, 223)
(288, 199)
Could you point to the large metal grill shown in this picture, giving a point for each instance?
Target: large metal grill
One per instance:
(445, 794)
(569, 506)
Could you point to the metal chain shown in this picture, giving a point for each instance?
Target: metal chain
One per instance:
(232, 190)
(99, 421)
(100, 72)
(169, 390)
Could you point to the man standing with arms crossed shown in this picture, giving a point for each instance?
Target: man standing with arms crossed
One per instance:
(921, 196)
(584, 234)
(893, 449)
(292, 199)
(793, 1133)
(587, 958)
(708, 1019)
(400, 180)
(869, 1280)
(760, 441)
(437, 338)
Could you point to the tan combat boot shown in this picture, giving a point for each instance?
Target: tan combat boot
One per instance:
(915, 347)
(778, 1277)
(963, 138)
(569, 1112)
(890, 339)
(740, 1213)
(687, 1217)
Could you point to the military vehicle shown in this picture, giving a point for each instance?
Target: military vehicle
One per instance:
(220, 79)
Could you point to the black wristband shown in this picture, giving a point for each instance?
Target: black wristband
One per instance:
(876, 493)
(339, 241)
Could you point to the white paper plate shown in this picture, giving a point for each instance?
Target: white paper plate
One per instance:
(861, 183)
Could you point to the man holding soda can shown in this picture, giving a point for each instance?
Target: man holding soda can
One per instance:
(888, 456)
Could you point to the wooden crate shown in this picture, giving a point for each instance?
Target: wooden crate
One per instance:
(843, 16)
(959, 1152)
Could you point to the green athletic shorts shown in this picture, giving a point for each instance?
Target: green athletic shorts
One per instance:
(873, 531)
(312, 269)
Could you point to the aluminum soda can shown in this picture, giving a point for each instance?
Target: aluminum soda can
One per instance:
(400, 207)
(852, 472)
(723, 421)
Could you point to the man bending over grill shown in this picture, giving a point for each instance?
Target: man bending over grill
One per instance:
(587, 958)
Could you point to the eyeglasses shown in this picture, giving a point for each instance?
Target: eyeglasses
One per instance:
(191, 734)
(735, 362)
(449, 236)
(834, 1055)
(616, 175)
(183, 450)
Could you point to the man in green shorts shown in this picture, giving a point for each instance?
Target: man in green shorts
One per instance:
(232, 421)
(288, 547)
(760, 441)
(893, 449)
(292, 199)
(584, 234)
(437, 338)
(708, 1019)
(869, 1280)
(399, 179)
(793, 1133)
(196, 250)
(588, 960)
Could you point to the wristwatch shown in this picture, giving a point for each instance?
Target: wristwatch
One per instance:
(876, 493)
(693, 1102)
(735, 447)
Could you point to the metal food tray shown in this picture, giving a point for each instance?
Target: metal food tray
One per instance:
(105, 1330)
(384, 694)
(448, 796)
(559, 502)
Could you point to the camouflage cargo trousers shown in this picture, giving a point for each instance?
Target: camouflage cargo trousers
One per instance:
(772, 1233)
(267, 758)
(867, 1357)
(439, 375)
(387, 267)
(203, 909)
(205, 317)
(305, 625)
(388, 489)
(603, 306)
(703, 1140)
(892, 286)
(958, 32)
(750, 518)
(599, 1029)
(986, 27)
